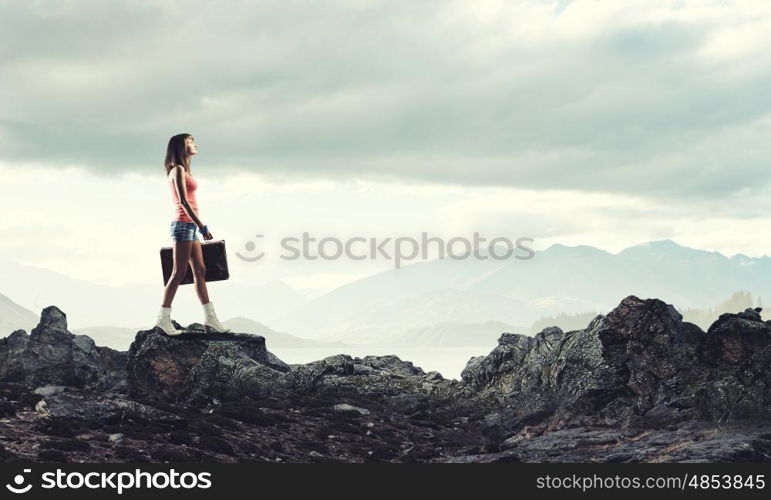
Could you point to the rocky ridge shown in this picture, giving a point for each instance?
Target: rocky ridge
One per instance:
(635, 385)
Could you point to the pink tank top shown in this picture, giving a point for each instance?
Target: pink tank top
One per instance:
(179, 211)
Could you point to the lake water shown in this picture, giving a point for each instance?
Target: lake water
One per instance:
(449, 361)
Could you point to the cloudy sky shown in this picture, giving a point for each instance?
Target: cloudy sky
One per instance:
(599, 122)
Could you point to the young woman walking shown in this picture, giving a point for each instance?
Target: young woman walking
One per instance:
(187, 246)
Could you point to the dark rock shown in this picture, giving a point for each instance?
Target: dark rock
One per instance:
(180, 437)
(192, 366)
(6, 456)
(130, 454)
(114, 362)
(635, 385)
(360, 369)
(688, 442)
(486, 458)
(509, 354)
(639, 365)
(216, 444)
(175, 455)
(51, 456)
(101, 406)
(340, 365)
(394, 382)
(391, 364)
(66, 444)
(63, 427)
(7, 409)
(52, 355)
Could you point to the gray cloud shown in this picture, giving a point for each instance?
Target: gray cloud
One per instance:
(404, 89)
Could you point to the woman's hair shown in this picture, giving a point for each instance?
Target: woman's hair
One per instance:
(176, 153)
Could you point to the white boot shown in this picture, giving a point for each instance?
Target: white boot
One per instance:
(164, 322)
(211, 324)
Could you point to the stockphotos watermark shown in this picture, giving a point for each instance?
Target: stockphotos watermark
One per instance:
(399, 249)
(112, 481)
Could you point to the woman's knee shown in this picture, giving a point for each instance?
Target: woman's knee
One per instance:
(177, 276)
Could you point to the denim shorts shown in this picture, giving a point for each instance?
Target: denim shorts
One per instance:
(183, 231)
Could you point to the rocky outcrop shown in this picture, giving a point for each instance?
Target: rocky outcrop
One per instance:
(638, 384)
(640, 365)
(193, 366)
(53, 355)
(196, 368)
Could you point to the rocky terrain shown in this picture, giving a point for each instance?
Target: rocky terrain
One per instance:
(635, 385)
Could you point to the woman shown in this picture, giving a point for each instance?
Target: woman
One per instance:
(187, 246)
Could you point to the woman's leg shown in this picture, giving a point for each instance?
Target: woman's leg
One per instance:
(199, 272)
(182, 250)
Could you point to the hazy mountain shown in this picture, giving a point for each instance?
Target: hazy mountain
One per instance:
(553, 305)
(418, 297)
(448, 334)
(580, 272)
(560, 279)
(451, 305)
(698, 278)
(273, 338)
(134, 305)
(15, 317)
(739, 301)
(384, 318)
(345, 305)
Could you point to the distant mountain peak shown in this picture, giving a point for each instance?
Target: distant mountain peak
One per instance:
(660, 246)
(585, 250)
(665, 243)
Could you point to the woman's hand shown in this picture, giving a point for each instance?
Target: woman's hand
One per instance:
(207, 235)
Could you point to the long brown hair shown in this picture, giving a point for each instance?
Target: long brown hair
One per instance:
(176, 153)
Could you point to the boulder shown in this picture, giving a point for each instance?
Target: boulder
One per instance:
(51, 355)
(639, 365)
(202, 365)
(197, 367)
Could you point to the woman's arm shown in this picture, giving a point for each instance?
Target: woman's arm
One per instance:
(179, 181)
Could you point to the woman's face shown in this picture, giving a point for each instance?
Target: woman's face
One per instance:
(190, 146)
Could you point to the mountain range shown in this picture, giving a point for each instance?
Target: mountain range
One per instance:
(411, 304)
(560, 279)
(135, 305)
(15, 317)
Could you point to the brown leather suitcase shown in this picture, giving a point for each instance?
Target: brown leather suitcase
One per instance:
(214, 257)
